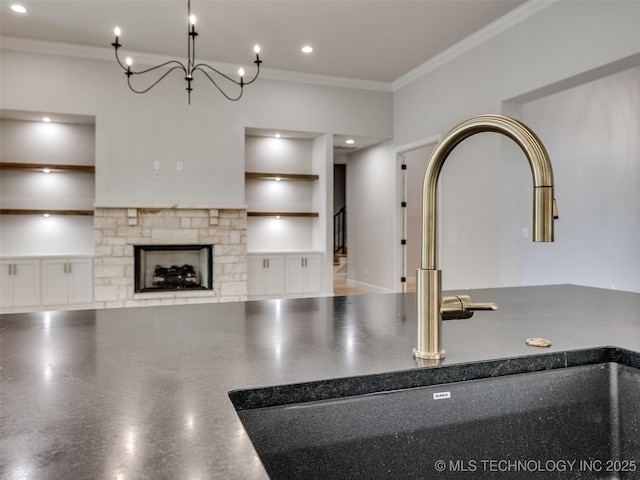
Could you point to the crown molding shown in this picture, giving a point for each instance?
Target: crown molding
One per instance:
(514, 17)
(106, 54)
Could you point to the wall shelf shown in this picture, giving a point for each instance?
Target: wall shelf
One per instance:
(283, 214)
(42, 212)
(281, 176)
(38, 167)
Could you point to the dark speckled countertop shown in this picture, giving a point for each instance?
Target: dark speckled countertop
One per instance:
(142, 393)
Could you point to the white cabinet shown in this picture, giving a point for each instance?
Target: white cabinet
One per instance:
(284, 274)
(35, 284)
(304, 273)
(265, 275)
(67, 281)
(20, 282)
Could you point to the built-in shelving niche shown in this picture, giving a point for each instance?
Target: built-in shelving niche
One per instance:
(273, 176)
(282, 191)
(47, 169)
(44, 167)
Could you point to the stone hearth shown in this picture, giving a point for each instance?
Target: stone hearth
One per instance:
(118, 229)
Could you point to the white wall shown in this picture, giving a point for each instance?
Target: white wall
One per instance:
(40, 191)
(592, 134)
(47, 143)
(25, 235)
(278, 155)
(286, 234)
(322, 160)
(273, 196)
(133, 131)
(371, 210)
(555, 48)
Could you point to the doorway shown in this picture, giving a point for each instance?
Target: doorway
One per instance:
(340, 250)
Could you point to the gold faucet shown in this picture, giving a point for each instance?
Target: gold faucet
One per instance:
(431, 307)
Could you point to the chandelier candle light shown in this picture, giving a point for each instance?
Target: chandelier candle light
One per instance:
(191, 66)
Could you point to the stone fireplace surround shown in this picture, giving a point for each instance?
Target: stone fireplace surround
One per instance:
(118, 229)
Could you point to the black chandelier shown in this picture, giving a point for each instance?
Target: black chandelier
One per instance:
(191, 66)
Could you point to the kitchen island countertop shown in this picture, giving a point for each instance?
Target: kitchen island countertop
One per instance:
(143, 392)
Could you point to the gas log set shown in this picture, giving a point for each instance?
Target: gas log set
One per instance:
(175, 277)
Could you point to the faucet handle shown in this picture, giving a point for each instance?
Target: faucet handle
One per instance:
(458, 307)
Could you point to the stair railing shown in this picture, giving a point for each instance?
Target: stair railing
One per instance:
(340, 231)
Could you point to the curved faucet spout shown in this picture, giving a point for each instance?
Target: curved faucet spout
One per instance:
(430, 303)
(533, 149)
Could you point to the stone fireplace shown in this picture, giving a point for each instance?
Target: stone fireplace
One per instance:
(123, 234)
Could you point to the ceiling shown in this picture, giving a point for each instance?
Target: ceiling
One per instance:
(368, 40)
(377, 40)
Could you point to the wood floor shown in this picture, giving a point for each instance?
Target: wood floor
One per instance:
(341, 288)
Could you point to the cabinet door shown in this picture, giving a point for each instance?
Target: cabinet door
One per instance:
(295, 274)
(26, 283)
(80, 280)
(304, 273)
(67, 281)
(313, 274)
(6, 283)
(265, 275)
(54, 282)
(255, 275)
(274, 275)
(20, 283)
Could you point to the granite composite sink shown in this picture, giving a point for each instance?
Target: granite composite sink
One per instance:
(572, 414)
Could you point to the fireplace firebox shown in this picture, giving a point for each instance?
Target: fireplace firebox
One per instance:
(173, 267)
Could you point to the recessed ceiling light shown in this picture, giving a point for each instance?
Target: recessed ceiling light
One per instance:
(350, 141)
(307, 49)
(46, 215)
(278, 135)
(18, 8)
(46, 119)
(46, 170)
